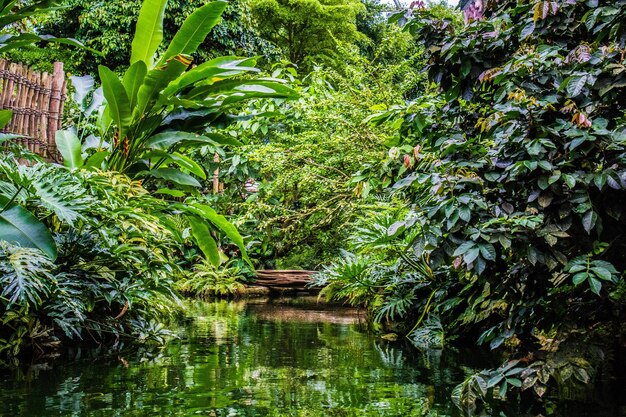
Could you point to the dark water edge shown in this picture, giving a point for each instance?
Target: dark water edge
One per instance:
(260, 358)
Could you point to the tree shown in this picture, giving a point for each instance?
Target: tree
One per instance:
(307, 29)
(109, 28)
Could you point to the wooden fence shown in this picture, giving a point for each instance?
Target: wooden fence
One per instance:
(37, 101)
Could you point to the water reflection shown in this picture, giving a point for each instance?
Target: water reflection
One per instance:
(246, 359)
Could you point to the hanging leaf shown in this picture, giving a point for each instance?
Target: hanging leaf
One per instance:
(205, 242)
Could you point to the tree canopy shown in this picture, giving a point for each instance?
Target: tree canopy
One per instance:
(307, 28)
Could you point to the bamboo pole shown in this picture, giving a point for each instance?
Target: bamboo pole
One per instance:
(216, 174)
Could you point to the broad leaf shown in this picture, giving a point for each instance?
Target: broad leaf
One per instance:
(166, 140)
(195, 29)
(18, 226)
(117, 99)
(206, 243)
(149, 31)
(172, 175)
(133, 79)
(70, 147)
(155, 81)
(221, 223)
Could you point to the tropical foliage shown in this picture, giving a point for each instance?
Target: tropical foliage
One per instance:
(109, 28)
(106, 273)
(513, 169)
(308, 30)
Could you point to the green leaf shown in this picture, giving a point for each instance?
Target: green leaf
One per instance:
(70, 147)
(589, 220)
(5, 117)
(163, 141)
(527, 30)
(471, 255)
(602, 273)
(117, 99)
(96, 160)
(494, 381)
(154, 83)
(488, 251)
(19, 226)
(172, 175)
(148, 32)
(579, 278)
(221, 223)
(575, 85)
(203, 239)
(463, 248)
(173, 193)
(514, 381)
(188, 164)
(133, 79)
(595, 285)
(195, 29)
(219, 67)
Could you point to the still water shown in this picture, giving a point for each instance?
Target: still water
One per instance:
(246, 359)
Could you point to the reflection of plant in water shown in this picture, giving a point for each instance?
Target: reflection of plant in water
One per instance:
(392, 358)
(230, 361)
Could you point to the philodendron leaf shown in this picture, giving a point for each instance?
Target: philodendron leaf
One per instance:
(205, 242)
(19, 227)
(70, 147)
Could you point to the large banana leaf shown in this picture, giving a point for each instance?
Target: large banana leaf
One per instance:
(156, 80)
(222, 67)
(117, 99)
(19, 226)
(264, 87)
(166, 140)
(133, 79)
(194, 30)
(149, 31)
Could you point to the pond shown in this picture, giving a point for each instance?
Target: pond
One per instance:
(248, 359)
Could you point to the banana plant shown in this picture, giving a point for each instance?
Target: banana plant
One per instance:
(163, 105)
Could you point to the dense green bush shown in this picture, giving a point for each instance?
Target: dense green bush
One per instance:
(515, 173)
(302, 156)
(115, 266)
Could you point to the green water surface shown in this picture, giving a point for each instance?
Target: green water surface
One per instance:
(246, 359)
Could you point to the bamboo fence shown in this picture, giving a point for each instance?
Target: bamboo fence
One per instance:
(37, 101)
